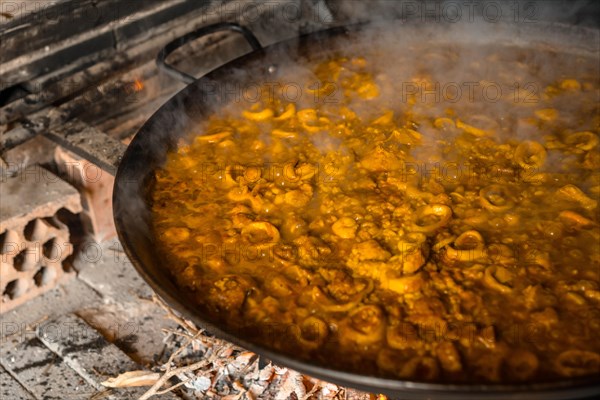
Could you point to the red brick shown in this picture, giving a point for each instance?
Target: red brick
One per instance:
(34, 243)
(95, 186)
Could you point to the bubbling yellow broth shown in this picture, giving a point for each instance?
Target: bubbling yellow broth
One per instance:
(378, 221)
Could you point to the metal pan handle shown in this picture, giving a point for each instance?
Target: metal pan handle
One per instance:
(205, 30)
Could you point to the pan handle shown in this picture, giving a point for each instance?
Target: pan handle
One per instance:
(205, 30)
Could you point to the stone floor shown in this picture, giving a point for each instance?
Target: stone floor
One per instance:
(63, 344)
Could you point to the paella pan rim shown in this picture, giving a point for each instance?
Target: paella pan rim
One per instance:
(132, 180)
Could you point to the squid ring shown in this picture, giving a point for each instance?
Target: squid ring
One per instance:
(530, 154)
(439, 213)
(582, 140)
(495, 198)
(469, 246)
(578, 362)
(213, 138)
(312, 333)
(258, 116)
(365, 325)
(470, 239)
(495, 278)
(261, 232)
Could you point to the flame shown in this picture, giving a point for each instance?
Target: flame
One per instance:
(381, 397)
(138, 85)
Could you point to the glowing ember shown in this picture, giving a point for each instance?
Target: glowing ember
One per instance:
(138, 85)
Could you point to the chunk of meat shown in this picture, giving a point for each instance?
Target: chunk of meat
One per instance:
(369, 250)
(228, 294)
(345, 228)
(380, 159)
(537, 298)
(448, 357)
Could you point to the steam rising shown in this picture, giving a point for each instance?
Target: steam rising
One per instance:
(454, 55)
(399, 52)
(494, 74)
